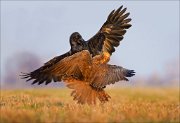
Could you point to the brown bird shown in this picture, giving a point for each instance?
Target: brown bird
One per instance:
(104, 41)
(93, 76)
(84, 68)
(88, 76)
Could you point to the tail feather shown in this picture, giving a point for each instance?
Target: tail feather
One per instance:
(84, 93)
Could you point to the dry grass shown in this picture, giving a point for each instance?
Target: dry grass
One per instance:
(55, 105)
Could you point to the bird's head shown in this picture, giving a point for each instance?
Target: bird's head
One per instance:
(77, 42)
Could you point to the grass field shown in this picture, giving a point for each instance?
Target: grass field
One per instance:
(55, 105)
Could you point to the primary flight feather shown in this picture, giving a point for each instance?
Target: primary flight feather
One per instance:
(108, 37)
(84, 67)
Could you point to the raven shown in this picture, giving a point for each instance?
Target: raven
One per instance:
(103, 42)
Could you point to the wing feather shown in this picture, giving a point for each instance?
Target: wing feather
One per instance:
(113, 29)
(109, 74)
(73, 65)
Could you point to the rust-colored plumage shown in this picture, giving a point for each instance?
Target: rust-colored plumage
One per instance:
(83, 92)
(96, 75)
(88, 76)
(84, 68)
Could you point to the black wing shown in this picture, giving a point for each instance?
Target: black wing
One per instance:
(113, 29)
(43, 74)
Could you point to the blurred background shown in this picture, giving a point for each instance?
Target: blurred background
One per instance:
(33, 32)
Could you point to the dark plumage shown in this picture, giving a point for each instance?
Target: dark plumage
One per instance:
(77, 43)
(102, 43)
(111, 33)
(113, 29)
(42, 74)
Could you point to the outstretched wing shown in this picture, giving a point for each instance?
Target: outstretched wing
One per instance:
(109, 74)
(69, 66)
(113, 29)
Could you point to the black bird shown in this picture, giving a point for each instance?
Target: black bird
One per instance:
(103, 42)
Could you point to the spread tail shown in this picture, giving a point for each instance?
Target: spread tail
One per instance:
(83, 92)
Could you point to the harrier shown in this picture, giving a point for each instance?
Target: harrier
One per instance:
(84, 68)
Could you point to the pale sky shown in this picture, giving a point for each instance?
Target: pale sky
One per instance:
(44, 27)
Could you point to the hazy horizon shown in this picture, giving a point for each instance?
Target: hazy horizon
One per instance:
(43, 29)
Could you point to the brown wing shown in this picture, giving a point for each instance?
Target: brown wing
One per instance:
(84, 93)
(109, 74)
(69, 66)
(114, 28)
